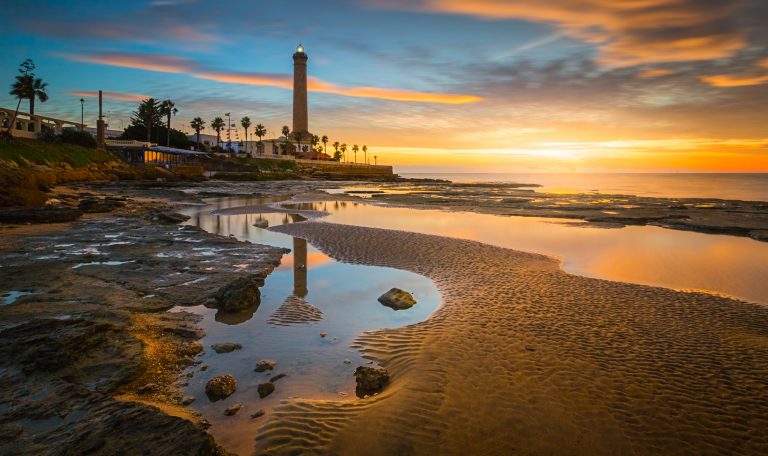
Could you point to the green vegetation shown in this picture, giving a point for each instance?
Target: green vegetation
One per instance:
(266, 164)
(22, 151)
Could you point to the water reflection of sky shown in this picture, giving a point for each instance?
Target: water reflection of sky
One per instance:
(346, 294)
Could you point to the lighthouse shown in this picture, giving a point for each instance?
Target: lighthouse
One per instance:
(300, 110)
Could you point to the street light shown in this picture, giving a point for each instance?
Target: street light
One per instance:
(82, 115)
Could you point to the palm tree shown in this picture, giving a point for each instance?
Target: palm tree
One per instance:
(260, 131)
(27, 87)
(336, 154)
(286, 133)
(324, 140)
(198, 125)
(246, 123)
(315, 141)
(343, 149)
(168, 108)
(297, 137)
(355, 149)
(365, 151)
(217, 124)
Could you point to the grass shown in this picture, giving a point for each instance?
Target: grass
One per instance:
(40, 152)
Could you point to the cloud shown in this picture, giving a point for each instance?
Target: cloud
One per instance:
(627, 33)
(728, 80)
(172, 64)
(655, 73)
(119, 96)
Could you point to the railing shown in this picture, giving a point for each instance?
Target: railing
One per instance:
(127, 143)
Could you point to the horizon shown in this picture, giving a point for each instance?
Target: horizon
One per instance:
(489, 86)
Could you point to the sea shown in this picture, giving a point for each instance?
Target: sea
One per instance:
(735, 186)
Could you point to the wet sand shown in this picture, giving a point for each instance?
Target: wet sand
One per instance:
(523, 358)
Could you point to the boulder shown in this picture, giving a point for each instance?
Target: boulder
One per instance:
(96, 205)
(261, 223)
(258, 413)
(169, 218)
(370, 379)
(226, 347)
(233, 410)
(265, 389)
(265, 365)
(240, 294)
(220, 387)
(397, 299)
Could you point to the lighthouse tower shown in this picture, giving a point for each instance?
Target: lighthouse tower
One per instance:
(300, 111)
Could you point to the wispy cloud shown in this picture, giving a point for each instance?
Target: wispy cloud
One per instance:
(173, 64)
(119, 96)
(655, 73)
(626, 32)
(754, 76)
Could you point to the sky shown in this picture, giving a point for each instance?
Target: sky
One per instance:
(428, 85)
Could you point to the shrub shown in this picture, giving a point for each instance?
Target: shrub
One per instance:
(81, 138)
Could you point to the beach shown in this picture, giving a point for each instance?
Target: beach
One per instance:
(518, 356)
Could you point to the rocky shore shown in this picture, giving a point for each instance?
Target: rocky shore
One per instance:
(89, 356)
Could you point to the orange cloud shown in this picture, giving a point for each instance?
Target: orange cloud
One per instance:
(149, 62)
(655, 73)
(727, 80)
(171, 64)
(119, 96)
(629, 32)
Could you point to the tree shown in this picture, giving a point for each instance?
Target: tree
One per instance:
(198, 125)
(246, 123)
(286, 132)
(315, 141)
(217, 124)
(146, 115)
(324, 140)
(365, 151)
(343, 149)
(336, 153)
(168, 109)
(259, 132)
(27, 87)
(355, 149)
(297, 137)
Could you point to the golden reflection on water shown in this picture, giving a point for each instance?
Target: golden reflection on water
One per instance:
(650, 255)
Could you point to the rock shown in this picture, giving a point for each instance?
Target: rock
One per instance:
(265, 389)
(370, 379)
(323, 334)
(226, 347)
(261, 223)
(347, 361)
(169, 218)
(50, 214)
(265, 365)
(220, 387)
(96, 205)
(240, 294)
(203, 368)
(233, 410)
(397, 299)
(276, 378)
(258, 413)
(147, 389)
(186, 400)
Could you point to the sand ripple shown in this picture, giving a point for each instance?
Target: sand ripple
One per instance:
(295, 310)
(523, 358)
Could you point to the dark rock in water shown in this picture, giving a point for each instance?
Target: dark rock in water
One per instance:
(258, 413)
(370, 379)
(265, 389)
(261, 223)
(95, 205)
(233, 410)
(759, 235)
(170, 218)
(276, 378)
(39, 214)
(186, 400)
(265, 365)
(240, 294)
(226, 347)
(220, 387)
(397, 299)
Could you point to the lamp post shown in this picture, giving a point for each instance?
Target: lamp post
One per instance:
(82, 113)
